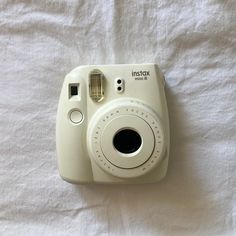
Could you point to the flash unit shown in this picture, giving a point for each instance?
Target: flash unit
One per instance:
(96, 90)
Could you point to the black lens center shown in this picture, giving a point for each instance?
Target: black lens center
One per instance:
(127, 141)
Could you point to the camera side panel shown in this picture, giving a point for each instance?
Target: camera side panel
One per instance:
(73, 161)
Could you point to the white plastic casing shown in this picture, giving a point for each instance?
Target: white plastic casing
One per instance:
(133, 98)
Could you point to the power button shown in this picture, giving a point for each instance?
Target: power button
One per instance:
(76, 116)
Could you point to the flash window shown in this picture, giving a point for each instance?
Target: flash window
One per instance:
(96, 84)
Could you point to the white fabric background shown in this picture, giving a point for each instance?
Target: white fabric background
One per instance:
(194, 43)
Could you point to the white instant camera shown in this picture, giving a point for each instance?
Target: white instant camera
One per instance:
(112, 125)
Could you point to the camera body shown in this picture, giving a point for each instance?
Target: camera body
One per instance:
(112, 125)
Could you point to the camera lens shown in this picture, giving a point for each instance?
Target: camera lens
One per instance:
(127, 141)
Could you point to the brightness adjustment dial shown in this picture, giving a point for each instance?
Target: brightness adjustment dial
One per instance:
(123, 115)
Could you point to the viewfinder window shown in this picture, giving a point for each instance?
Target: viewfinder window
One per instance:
(73, 90)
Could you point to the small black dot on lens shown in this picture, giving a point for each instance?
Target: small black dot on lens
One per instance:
(118, 81)
(119, 88)
(127, 141)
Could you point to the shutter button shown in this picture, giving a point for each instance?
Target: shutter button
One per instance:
(76, 116)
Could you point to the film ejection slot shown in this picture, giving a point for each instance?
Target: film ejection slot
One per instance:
(96, 84)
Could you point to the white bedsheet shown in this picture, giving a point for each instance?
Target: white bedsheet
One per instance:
(194, 43)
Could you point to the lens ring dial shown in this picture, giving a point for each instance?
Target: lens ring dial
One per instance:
(116, 109)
